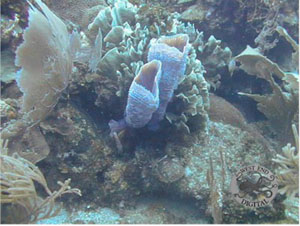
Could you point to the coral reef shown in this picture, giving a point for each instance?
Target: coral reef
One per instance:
(30, 145)
(78, 151)
(168, 170)
(8, 109)
(289, 173)
(240, 18)
(222, 111)
(50, 67)
(122, 50)
(180, 173)
(192, 101)
(229, 148)
(201, 74)
(124, 43)
(12, 8)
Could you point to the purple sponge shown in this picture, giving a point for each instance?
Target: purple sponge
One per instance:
(172, 51)
(143, 98)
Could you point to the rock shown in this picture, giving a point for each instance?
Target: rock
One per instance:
(194, 13)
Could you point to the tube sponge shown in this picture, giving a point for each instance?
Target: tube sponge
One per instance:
(172, 51)
(143, 98)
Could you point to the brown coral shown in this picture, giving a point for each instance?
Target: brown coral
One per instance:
(17, 187)
(288, 173)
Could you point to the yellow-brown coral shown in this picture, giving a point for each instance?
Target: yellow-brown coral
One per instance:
(17, 177)
(288, 173)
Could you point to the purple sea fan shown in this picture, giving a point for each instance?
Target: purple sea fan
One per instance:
(172, 51)
(143, 98)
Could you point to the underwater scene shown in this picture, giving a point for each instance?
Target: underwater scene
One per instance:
(149, 112)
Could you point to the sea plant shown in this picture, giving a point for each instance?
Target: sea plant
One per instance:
(17, 182)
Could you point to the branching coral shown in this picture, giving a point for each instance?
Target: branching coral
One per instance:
(281, 106)
(17, 188)
(295, 46)
(288, 173)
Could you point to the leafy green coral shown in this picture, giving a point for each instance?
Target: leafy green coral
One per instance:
(206, 57)
(193, 93)
(123, 46)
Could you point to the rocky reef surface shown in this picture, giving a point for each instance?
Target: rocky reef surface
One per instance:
(219, 119)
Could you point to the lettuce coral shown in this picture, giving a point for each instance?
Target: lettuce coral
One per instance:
(123, 45)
